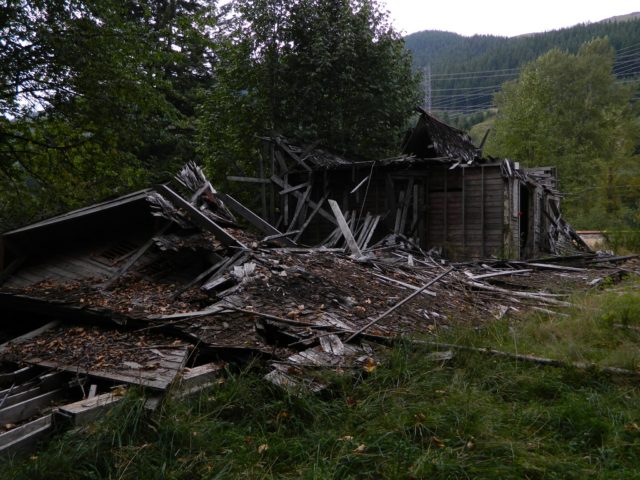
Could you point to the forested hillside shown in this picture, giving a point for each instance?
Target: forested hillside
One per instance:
(465, 72)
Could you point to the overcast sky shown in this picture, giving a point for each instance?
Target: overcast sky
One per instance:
(501, 17)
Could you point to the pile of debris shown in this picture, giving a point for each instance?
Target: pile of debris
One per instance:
(159, 303)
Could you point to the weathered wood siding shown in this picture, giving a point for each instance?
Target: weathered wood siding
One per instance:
(459, 210)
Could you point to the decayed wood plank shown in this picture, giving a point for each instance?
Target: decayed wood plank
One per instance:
(234, 178)
(230, 262)
(346, 232)
(88, 410)
(547, 266)
(398, 305)
(254, 219)
(25, 436)
(403, 284)
(294, 188)
(540, 296)
(283, 184)
(498, 274)
(8, 400)
(17, 376)
(159, 378)
(196, 379)
(372, 229)
(29, 335)
(134, 258)
(199, 218)
(302, 201)
(292, 154)
(27, 408)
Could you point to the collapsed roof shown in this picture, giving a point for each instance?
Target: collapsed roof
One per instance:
(168, 283)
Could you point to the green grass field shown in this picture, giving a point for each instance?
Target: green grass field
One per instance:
(473, 417)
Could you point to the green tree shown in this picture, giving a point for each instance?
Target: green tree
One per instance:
(96, 96)
(570, 111)
(332, 71)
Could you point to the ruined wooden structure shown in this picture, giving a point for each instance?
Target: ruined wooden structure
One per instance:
(439, 193)
(158, 288)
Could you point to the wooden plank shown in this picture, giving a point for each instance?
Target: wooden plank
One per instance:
(403, 284)
(292, 154)
(134, 258)
(27, 408)
(302, 201)
(499, 274)
(159, 378)
(25, 436)
(254, 219)
(294, 188)
(283, 184)
(195, 379)
(29, 335)
(227, 263)
(344, 228)
(199, 218)
(234, 178)
(396, 227)
(405, 206)
(371, 231)
(89, 409)
(9, 400)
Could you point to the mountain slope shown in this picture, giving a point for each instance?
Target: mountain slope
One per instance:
(466, 71)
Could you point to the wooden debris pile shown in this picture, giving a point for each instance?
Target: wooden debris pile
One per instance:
(216, 282)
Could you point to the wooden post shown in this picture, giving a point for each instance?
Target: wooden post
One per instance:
(464, 229)
(263, 188)
(482, 210)
(446, 204)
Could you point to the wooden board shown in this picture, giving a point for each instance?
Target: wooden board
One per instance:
(171, 363)
(88, 410)
(25, 436)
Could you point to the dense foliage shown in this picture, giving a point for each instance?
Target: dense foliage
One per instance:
(95, 97)
(569, 111)
(100, 96)
(328, 71)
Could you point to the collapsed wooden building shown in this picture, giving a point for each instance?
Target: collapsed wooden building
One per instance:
(440, 193)
(162, 287)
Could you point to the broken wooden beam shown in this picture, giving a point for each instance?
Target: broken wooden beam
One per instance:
(344, 228)
(283, 184)
(497, 274)
(234, 178)
(551, 362)
(255, 220)
(399, 304)
(403, 284)
(134, 258)
(199, 218)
